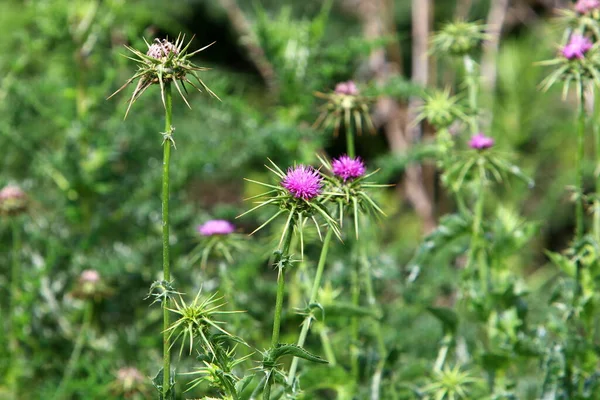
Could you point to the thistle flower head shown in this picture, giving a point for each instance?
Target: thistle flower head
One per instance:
(164, 63)
(161, 49)
(13, 200)
(459, 38)
(347, 167)
(481, 142)
(577, 47)
(587, 6)
(303, 182)
(129, 382)
(216, 227)
(90, 286)
(351, 193)
(345, 106)
(298, 196)
(346, 88)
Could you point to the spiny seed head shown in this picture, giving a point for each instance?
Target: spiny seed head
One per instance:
(481, 142)
(577, 47)
(216, 227)
(347, 167)
(303, 182)
(13, 200)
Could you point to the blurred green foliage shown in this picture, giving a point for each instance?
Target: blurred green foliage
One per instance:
(94, 179)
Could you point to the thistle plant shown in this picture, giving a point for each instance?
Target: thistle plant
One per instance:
(343, 106)
(129, 383)
(299, 195)
(165, 64)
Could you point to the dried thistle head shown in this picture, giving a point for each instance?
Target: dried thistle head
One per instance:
(343, 105)
(163, 63)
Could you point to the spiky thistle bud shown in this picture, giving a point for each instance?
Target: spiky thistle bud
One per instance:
(459, 38)
(165, 62)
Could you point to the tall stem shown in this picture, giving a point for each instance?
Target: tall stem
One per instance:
(476, 234)
(350, 147)
(74, 359)
(283, 252)
(596, 130)
(165, 238)
(15, 284)
(472, 87)
(579, 207)
(313, 298)
(372, 301)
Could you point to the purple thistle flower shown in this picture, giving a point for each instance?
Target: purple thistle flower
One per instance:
(577, 47)
(347, 88)
(216, 227)
(586, 6)
(481, 142)
(303, 182)
(348, 168)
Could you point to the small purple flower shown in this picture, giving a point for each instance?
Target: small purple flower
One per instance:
(303, 182)
(481, 142)
(89, 276)
(161, 48)
(216, 227)
(586, 6)
(577, 47)
(348, 168)
(347, 88)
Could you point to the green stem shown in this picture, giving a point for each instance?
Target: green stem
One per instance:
(372, 301)
(350, 147)
(165, 238)
(313, 298)
(476, 234)
(472, 87)
(74, 359)
(596, 130)
(327, 348)
(442, 353)
(283, 252)
(579, 207)
(15, 284)
(354, 328)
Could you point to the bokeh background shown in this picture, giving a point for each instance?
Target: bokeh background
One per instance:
(93, 178)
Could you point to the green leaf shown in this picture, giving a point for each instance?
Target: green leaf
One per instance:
(157, 381)
(350, 310)
(283, 349)
(242, 384)
(446, 316)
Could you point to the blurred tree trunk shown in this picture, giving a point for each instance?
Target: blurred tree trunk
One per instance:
(247, 39)
(389, 112)
(495, 22)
